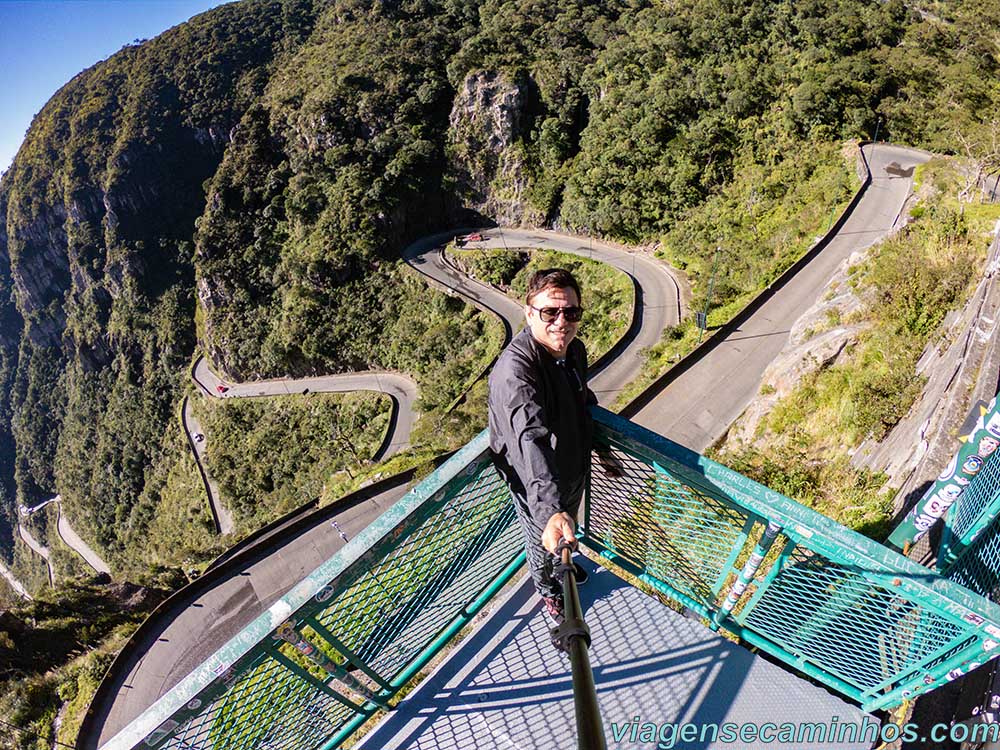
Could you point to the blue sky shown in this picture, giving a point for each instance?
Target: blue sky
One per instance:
(44, 43)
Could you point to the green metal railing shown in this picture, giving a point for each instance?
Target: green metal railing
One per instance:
(971, 515)
(971, 557)
(846, 611)
(969, 551)
(339, 646)
(977, 568)
(335, 649)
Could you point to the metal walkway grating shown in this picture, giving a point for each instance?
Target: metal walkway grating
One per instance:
(506, 687)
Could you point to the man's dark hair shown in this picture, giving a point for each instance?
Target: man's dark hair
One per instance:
(548, 278)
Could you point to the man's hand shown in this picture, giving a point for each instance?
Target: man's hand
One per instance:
(560, 526)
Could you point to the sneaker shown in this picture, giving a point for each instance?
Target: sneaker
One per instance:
(554, 609)
(581, 574)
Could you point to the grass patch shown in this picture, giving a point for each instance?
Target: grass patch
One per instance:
(763, 221)
(270, 456)
(490, 265)
(907, 285)
(676, 342)
(41, 666)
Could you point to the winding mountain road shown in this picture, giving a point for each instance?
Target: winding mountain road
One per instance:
(660, 294)
(39, 549)
(658, 305)
(400, 388)
(15, 584)
(196, 439)
(76, 543)
(697, 407)
(67, 533)
(694, 409)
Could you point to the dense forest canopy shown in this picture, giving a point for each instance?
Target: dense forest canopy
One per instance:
(243, 184)
(246, 180)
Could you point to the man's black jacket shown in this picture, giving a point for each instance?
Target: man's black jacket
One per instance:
(540, 427)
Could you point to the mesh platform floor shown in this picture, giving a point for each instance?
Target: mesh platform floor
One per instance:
(506, 687)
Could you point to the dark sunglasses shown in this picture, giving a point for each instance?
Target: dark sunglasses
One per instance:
(548, 314)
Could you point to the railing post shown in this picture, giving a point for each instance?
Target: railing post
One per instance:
(288, 633)
(747, 574)
(352, 659)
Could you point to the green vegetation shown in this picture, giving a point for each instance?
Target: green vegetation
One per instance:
(761, 222)
(490, 265)
(609, 297)
(272, 455)
(179, 530)
(304, 144)
(246, 181)
(907, 285)
(741, 239)
(41, 643)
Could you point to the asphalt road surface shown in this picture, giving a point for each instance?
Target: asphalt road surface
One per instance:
(68, 534)
(659, 292)
(698, 407)
(39, 549)
(196, 437)
(193, 630)
(15, 584)
(694, 410)
(402, 389)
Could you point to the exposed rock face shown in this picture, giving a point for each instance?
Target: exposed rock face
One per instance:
(812, 345)
(132, 597)
(40, 271)
(484, 155)
(961, 368)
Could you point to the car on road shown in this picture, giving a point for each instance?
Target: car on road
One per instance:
(222, 388)
(474, 237)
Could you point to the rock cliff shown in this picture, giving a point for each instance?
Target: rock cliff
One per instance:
(486, 155)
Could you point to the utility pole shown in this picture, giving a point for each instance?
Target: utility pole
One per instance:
(708, 299)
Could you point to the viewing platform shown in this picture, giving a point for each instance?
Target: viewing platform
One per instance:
(730, 607)
(507, 687)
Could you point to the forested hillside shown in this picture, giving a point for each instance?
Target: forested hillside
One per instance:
(244, 183)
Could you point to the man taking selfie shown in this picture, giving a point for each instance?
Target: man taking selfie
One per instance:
(540, 427)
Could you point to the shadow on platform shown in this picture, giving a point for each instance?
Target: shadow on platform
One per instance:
(507, 687)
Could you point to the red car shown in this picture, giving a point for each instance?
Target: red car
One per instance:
(474, 237)
(222, 388)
